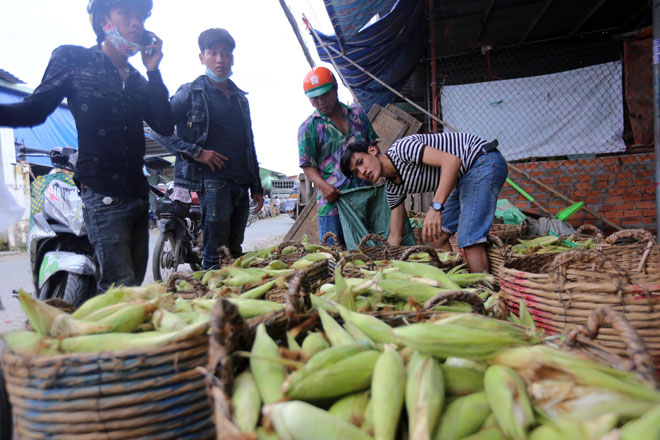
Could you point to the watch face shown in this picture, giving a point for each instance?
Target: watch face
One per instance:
(437, 206)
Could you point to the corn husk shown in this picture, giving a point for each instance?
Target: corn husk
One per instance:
(269, 375)
(246, 401)
(388, 391)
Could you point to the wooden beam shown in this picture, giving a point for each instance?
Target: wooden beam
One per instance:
(587, 17)
(484, 20)
(538, 18)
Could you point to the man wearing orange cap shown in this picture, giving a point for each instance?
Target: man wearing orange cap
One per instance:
(322, 139)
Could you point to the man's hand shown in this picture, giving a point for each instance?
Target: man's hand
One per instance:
(152, 61)
(432, 225)
(212, 159)
(329, 192)
(259, 199)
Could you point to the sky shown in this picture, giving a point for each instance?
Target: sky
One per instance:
(268, 61)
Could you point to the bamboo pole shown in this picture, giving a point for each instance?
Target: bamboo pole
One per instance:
(562, 196)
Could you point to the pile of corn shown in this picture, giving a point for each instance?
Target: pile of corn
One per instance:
(121, 318)
(402, 285)
(463, 376)
(551, 245)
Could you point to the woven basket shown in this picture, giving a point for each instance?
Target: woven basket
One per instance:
(153, 393)
(562, 290)
(387, 252)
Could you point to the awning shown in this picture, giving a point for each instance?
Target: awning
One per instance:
(390, 48)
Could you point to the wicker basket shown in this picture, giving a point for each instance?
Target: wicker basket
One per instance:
(387, 252)
(153, 393)
(562, 290)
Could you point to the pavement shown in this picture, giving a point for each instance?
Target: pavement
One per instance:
(15, 271)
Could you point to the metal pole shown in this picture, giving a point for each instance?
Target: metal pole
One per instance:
(296, 31)
(656, 104)
(332, 59)
(434, 92)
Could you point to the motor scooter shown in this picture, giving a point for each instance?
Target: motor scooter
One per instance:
(180, 224)
(61, 257)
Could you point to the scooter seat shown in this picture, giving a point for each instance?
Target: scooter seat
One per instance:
(195, 212)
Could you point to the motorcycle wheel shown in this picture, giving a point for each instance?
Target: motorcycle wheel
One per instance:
(69, 287)
(164, 262)
(6, 421)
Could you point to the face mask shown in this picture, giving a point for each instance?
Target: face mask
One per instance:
(217, 79)
(120, 43)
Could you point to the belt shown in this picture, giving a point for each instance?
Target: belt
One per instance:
(487, 148)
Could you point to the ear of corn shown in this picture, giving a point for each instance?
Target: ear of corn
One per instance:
(314, 343)
(424, 395)
(268, 375)
(258, 291)
(320, 302)
(508, 399)
(646, 427)
(246, 402)
(29, 343)
(368, 423)
(387, 390)
(131, 316)
(297, 420)
(121, 341)
(332, 355)
(487, 434)
(545, 432)
(427, 271)
(351, 408)
(583, 372)
(405, 289)
(460, 381)
(462, 417)
(373, 327)
(165, 321)
(333, 331)
(116, 295)
(292, 343)
(344, 377)
(344, 293)
(249, 308)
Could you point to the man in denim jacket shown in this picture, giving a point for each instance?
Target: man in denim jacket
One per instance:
(214, 146)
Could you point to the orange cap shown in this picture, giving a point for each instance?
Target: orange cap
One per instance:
(318, 81)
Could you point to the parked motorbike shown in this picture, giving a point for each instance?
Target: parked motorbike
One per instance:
(180, 238)
(61, 257)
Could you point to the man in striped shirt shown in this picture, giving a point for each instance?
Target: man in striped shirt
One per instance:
(465, 172)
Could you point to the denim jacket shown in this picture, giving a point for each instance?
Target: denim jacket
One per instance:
(191, 115)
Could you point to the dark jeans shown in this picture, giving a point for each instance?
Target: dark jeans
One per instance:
(225, 209)
(118, 228)
(331, 223)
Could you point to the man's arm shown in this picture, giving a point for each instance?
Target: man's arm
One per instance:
(158, 113)
(329, 192)
(34, 109)
(255, 187)
(397, 218)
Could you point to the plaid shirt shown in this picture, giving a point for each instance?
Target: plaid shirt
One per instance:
(109, 115)
(321, 144)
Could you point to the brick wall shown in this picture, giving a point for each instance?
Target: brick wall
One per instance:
(619, 188)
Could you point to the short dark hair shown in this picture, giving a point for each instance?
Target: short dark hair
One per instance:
(345, 161)
(214, 37)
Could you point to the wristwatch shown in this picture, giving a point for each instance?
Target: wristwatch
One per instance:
(437, 206)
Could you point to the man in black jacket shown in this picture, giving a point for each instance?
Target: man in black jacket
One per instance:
(215, 147)
(109, 101)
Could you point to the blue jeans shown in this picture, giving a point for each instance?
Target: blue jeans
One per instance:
(118, 228)
(225, 209)
(470, 208)
(331, 223)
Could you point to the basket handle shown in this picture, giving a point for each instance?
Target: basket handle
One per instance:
(372, 237)
(334, 237)
(458, 295)
(284, 244)
(225, 257)
(297, 298)
(176, 276)
(421, 248)
(640, 235)
(606, 317)
(345, 259)
(227, 330)
(588, 229)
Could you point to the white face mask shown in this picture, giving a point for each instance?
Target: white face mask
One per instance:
(216, 78)
(120, 43)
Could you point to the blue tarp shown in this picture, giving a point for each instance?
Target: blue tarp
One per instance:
(390, 48)
(58, 130)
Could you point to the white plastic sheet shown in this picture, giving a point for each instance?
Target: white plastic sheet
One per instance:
(10, 211)
(574, 112)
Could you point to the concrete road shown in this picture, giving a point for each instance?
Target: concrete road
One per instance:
(15, 269)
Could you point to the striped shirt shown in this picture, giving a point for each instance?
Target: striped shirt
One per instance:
(416, 177)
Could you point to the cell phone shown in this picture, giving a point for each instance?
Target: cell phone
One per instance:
(147, 40)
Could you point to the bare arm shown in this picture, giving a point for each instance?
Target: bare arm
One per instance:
(329, 192)
(397, 218)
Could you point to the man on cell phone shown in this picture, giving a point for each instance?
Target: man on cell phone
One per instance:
(109, 101)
